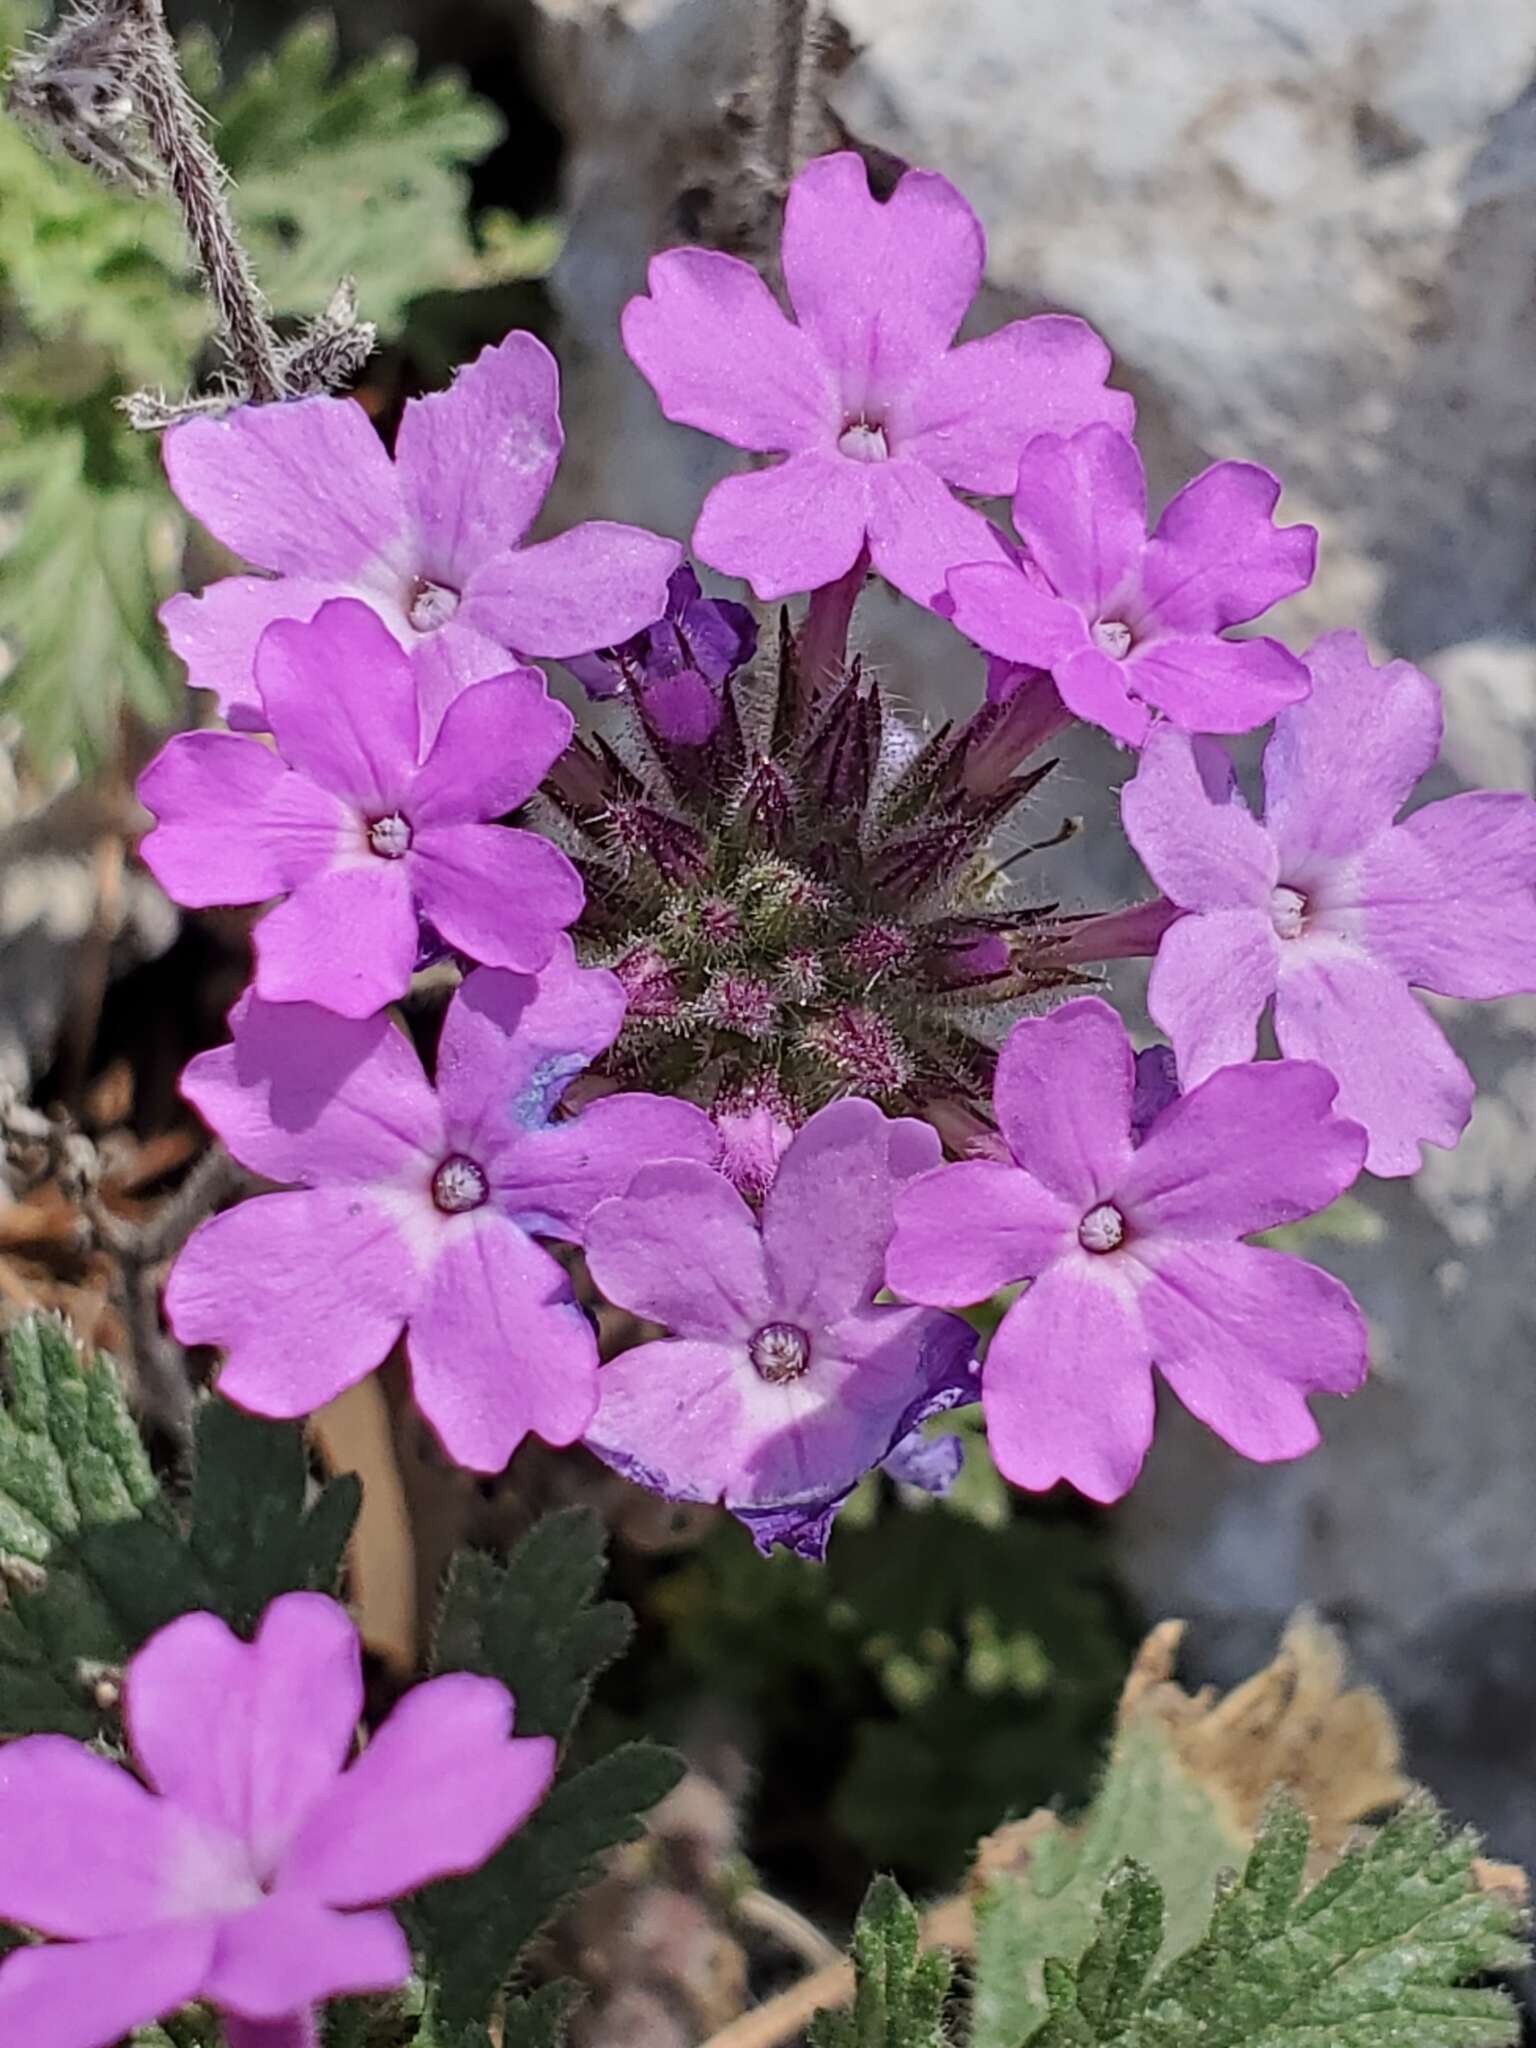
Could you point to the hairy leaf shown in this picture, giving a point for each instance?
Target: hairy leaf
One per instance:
(899, 1990)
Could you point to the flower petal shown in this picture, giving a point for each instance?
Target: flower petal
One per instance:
(498, 895)
(918, 531)
(1081, 510)
(1249, 1148)
(56, 1795)
(340, 698)
(1448, 898)
(1217, 558)
(963, 1231)
(1213, 974)
(716, 348)
(682, 1249)
(1097, 689)
(794, 527)
(94, 1991)
(1001, 608)
(495, 744)
(217, 632)
(1067, 1385)
(346, 941)
(498, 1348)
(450, 660)
(305, 1293)
(591, 586)
(1216, 685)
(672, 1416)
(552, 1179)
(474, 462)
(1196, 838)
(1063, 1100)
(439, 1787)
(1341, 765)
(1396, 1072)
(288, 1953)
(234, 825)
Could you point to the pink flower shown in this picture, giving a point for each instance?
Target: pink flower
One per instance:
(416, 1210)
(431, 540)
(1133, 1253)
(1332, 909)
(880, 418)
(251, 1866)
(365, 844)
(781, 1381)
(1131, 626)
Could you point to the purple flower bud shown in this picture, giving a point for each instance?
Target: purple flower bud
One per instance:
(756, 1121)
(649, 983)
(876, 948)
(766, 805)
(1009, 727)
(841, 753)
(862, 1049)
(740, 1003)
(673, 846)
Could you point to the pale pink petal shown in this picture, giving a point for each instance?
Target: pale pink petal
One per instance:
(217, 632)
(235, 826)
(1081, 510)
(304, 487)
(879, 286)
(1250, 1148)
(1341, 765)
(1210, 981)
(1396, 1071)
(591, 586)
(794, 527)
(340, 698)
(496, 742)
(1063, 1099)
(346, 941)
(498, 895)
(301, 1094)
(965, 1230)
(92, 1992)
(971, 417)
(305, 1293)
(288, 1953)
(475, 461)
(682, 1249)
(450, 660)
(999, 607)
(673, 1417)
(550, 1180)
(437, 1790)
(1067, 1385)
(498, 1348)
(1197, 839)
(1095, 688)
(714, 345)
(1449, 897)
(56, 1795)
(918, 531)
(1217, 558)
(1209, 685)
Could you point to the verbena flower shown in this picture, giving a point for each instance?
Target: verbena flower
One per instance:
(1130, 626)
(675, 670)
(881, 419)
(252, 1864)
(1133, 1256)
(418, 1210)
(364, 843)
(1329, 907)
(781, 1381)
(432, 540)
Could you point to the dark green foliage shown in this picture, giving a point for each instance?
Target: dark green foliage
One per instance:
(899, 1991)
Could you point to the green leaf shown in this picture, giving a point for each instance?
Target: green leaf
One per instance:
(539, 2020)
(899, 1990)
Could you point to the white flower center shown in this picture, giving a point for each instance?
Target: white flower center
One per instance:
(1287, 912)
(390, 838)
(430, 605)
(780, 1352)
(458, 1185)
(1102, 1229)
(1112, 637)
(863, 442)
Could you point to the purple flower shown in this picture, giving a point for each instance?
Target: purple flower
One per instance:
(1332, 909)
(1131, 626)
(676, 668)
(364, 843)
(252, 1865)
(781, 1381)
(880, 418)
(416, 1210)
(1134, 1256)
(431, 540)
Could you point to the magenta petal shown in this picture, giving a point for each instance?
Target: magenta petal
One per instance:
(1207, 685)
(1095, 688)
(437, 1790)
(1000, 608)
(340, 698)
(1217, 559)
(475, 461)
(918, 531)
(971, 417)
(289, 1952)
(589, 587)
(1341, 765)
(1184, 815)
(794, 527)
(549, 1181)
(965, 1230)
(673, 1416)
(302, 1094)
(682, 1249)
(217, 632)
(719, 353)
(1067, 1385)
(1448, 898)
(234, 825)
(346, 941)
(449, 661)
(1063, 1099)
(91, 1992)
(1210, 981)
(1081, 510)
(306, 1293)
(496, 742)
(55, 1795)
(305, 487)
(1396, 1071)
(498, 1348)
(1249, 1148)
(500, 896)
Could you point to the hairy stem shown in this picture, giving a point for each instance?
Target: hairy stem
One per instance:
(786, 61)
(822, 649)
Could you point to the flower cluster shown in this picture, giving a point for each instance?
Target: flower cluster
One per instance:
(739, 968)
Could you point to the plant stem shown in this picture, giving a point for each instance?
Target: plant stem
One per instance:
(294, 2030)
(822, 647)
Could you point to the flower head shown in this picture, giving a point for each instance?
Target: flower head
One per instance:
(881, 419)
(432, 539)
(1130, 626)
(1133, 1256)
(250, 1863)
(365, 842)
(781, 1380)
(676, 669)
(1330, 908)
(416, 1209)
